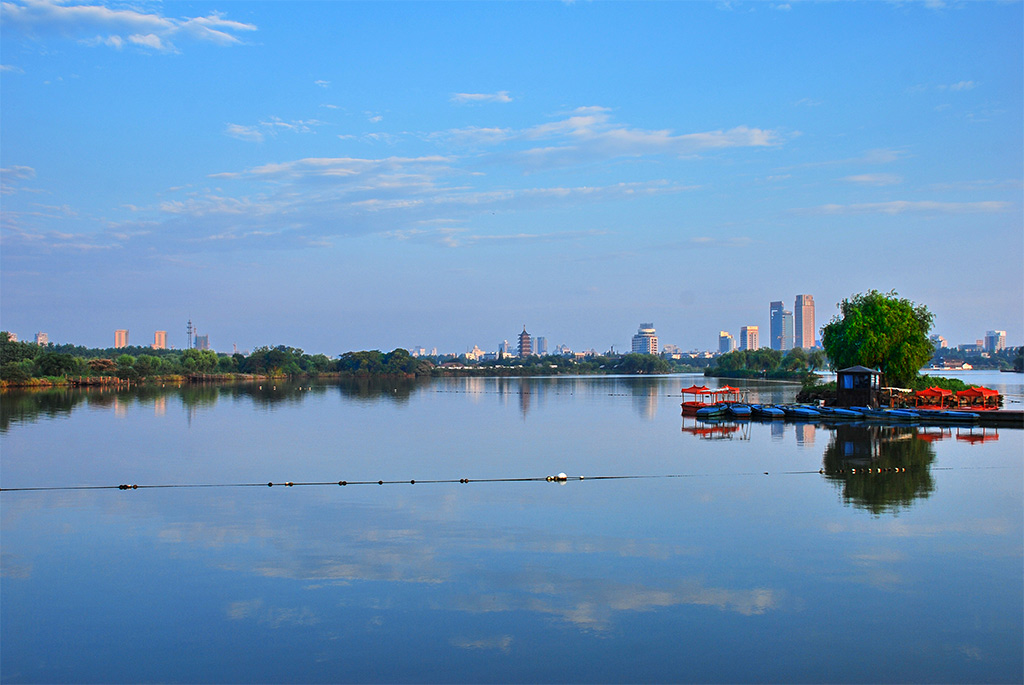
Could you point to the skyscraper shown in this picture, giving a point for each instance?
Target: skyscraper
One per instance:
(749, 338)
(542, 345)
(780, 327)
(121, 338)
(803, 318)
(726, 343)
(995, 341)
(645, 341)
(160, 340)
(202, 342)
(525, 343)
(42, 339)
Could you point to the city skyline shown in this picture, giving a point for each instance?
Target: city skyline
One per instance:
(348, 176)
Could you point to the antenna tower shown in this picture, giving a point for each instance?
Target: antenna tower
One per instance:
(189, 331)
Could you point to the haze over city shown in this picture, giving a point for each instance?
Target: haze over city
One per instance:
(342, 176)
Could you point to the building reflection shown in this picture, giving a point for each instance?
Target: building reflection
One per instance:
(880, 468)
(805, 433)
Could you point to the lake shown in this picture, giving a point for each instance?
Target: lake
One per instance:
(673, 552)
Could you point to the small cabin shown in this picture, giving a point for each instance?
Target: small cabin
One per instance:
(857, 386)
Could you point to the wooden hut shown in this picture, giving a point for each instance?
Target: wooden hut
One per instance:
(857, 386)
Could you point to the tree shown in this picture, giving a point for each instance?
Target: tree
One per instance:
(880, 331)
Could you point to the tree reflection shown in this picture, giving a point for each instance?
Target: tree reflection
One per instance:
(880, 468)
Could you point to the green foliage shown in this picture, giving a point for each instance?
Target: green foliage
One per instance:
(11, 351)
(56, 364)
(634, 363)
(880, 331)
(199, 361)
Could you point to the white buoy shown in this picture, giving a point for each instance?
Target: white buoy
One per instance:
(562, 476)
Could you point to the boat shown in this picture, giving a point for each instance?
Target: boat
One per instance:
(738, 411)
(799, 412)
(714, 411)
(948, 416)
(839, 414)
(888, 415)
(699, 392)
(772, 413)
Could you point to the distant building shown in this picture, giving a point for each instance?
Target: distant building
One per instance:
(803, 320)
(525, 343)
(160, 340)
(780, 327)
(938, 341)
(749, 338)
(202, 342)
(475, 354)
(726, 343)
(995, 341)
(645, 341)
(42, 339)
(541, 345)
(13, 337)
(121, 338)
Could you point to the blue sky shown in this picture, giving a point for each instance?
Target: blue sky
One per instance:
(345, 175)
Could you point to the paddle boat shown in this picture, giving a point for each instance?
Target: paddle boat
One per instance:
(767, 411)
(799, 412)
(738, 411)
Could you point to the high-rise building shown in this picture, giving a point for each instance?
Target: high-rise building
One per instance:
(160, 340)
(645, 341)
(995, 341)
(541, 346)
(780, 327)
(42, 339)
(202, 342)
(726, 343)
(525, 343)
(121, 338)
(749, 338)
(803, 320)
(13, 337)
(938, 341)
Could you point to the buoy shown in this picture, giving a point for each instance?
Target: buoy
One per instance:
(289, 483)
(562, 476)
(342, 482)
(270, 485)
(380, 482)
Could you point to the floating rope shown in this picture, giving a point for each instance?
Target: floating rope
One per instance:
(560, 478)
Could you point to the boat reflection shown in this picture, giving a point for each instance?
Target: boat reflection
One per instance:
(880, 468)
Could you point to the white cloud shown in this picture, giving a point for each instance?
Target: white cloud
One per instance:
(961, 85)
(322, 83)
(903, 207)
(11, 68)
(244, 132)
(100, 25)
(270, 127)
(875, 179)
(472, 98)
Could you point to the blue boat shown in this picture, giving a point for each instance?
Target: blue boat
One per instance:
(800, 413)
(715, 411)
(888, 415)
(761, 411)
(739, 411)
(839, 414)
(948, 416)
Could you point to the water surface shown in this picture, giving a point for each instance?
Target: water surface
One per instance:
(753, 553)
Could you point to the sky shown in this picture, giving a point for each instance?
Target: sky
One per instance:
(341, 176)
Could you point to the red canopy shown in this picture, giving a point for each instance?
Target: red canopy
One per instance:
(934, 391)
(977, 392)
(695, 390)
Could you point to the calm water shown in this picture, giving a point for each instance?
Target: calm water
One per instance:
(732, 560)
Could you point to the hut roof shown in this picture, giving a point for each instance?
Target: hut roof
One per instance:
(861, 369)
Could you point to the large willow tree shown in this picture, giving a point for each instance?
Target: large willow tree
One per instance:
(881, 331)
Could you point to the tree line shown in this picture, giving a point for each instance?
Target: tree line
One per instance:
(28, 363)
